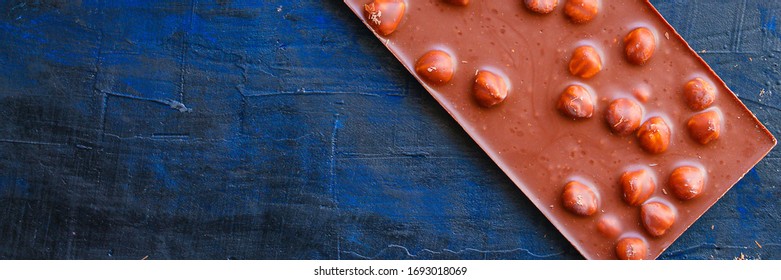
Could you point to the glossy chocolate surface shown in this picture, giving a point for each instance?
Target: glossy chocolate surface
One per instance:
(541, 149)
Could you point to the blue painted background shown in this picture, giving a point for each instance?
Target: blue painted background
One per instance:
(284, 130)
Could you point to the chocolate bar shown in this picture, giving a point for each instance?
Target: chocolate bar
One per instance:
(597, 110)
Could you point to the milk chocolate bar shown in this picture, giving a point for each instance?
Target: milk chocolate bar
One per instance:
(597, 110)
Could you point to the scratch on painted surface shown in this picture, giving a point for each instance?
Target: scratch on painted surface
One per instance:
(332, 183)
(299, 138)
(443, 251)
(176, 105)
(770, 106)
(160, 137)
(30, 142)
(702, 246)
(301, 91)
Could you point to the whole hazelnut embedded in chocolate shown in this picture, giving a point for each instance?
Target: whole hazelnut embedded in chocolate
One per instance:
(576, 102)
(699, 94)
(656, 218)
(687, 182)
(639, 45)
(489, 89)
(609, 226)
(435, 67)
(705, 127)
(631, 249)
(638, 186)
(585, 62)
(581, 11)
(541, 6)
(384, 15)
(642, 94)
(579, 199)
(458, 2)
(623, 116)
(654, 135)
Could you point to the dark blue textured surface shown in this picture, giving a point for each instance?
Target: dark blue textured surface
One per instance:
(285, 130)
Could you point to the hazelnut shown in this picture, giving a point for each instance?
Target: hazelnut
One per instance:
(608, 226)
(640, 45)
(631, 249)
(642, 94)
(705, 127)
(541, 6)
(623, 116)
(576, 102)
(435, 66)
(638, 186)
(654, 135)
(458, 2)
(489, 89)
(657, 218)
(384, 15)
(579, 199)
(687, 182)
(585, 62)
(699, 94)
(581, 11)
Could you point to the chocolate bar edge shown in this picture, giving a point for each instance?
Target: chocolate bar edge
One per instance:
(539, 204)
